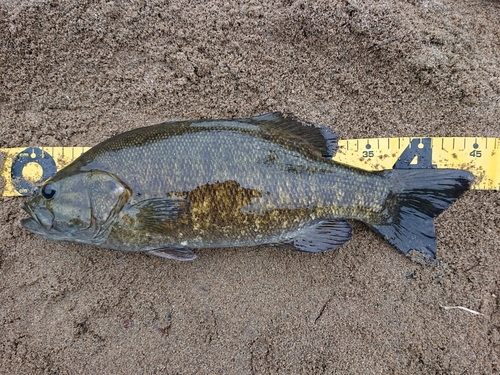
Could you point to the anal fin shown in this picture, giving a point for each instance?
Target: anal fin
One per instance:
(323, 236)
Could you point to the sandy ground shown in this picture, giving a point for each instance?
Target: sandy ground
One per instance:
(76, 72)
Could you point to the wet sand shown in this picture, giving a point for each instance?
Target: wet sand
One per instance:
(77, 72)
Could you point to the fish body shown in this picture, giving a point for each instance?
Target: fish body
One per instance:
(173, 187)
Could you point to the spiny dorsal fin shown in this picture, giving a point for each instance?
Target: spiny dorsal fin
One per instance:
(320, 137)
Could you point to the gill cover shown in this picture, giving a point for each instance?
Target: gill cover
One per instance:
(107, 196)
(79, 207)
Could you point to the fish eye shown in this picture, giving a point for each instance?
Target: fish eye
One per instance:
(48, 191)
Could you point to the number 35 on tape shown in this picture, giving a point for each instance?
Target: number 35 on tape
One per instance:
(25, 168)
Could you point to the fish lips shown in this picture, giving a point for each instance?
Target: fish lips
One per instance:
(41, 219)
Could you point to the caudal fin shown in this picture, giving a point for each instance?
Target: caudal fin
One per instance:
(418, 196)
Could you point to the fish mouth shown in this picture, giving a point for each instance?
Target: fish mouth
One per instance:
(40, 220)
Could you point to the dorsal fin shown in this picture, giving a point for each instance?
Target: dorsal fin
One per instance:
(320, 137)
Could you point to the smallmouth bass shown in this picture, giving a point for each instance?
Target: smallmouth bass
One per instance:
(267, 180)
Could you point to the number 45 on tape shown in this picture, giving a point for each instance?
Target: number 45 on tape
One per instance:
(25, 168)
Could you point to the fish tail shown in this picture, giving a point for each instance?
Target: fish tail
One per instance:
(417, 196)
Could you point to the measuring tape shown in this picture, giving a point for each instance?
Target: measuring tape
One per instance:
(25, 168)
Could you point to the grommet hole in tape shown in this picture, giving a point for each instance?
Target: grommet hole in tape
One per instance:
(25, 168)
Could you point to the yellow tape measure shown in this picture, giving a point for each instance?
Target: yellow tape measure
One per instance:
(25, 168)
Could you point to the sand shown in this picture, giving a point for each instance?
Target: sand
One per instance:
(76, 72)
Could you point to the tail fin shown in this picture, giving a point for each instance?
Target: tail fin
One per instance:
(417, 196)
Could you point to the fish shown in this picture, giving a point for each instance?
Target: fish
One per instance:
(172, 188)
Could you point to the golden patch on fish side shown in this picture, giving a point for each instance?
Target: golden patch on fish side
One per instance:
(219, 205)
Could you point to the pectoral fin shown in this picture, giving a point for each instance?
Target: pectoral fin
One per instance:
(177, 253)
(323, 236)
(156, 214)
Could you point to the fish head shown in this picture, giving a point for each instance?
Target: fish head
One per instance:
(78, 207)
